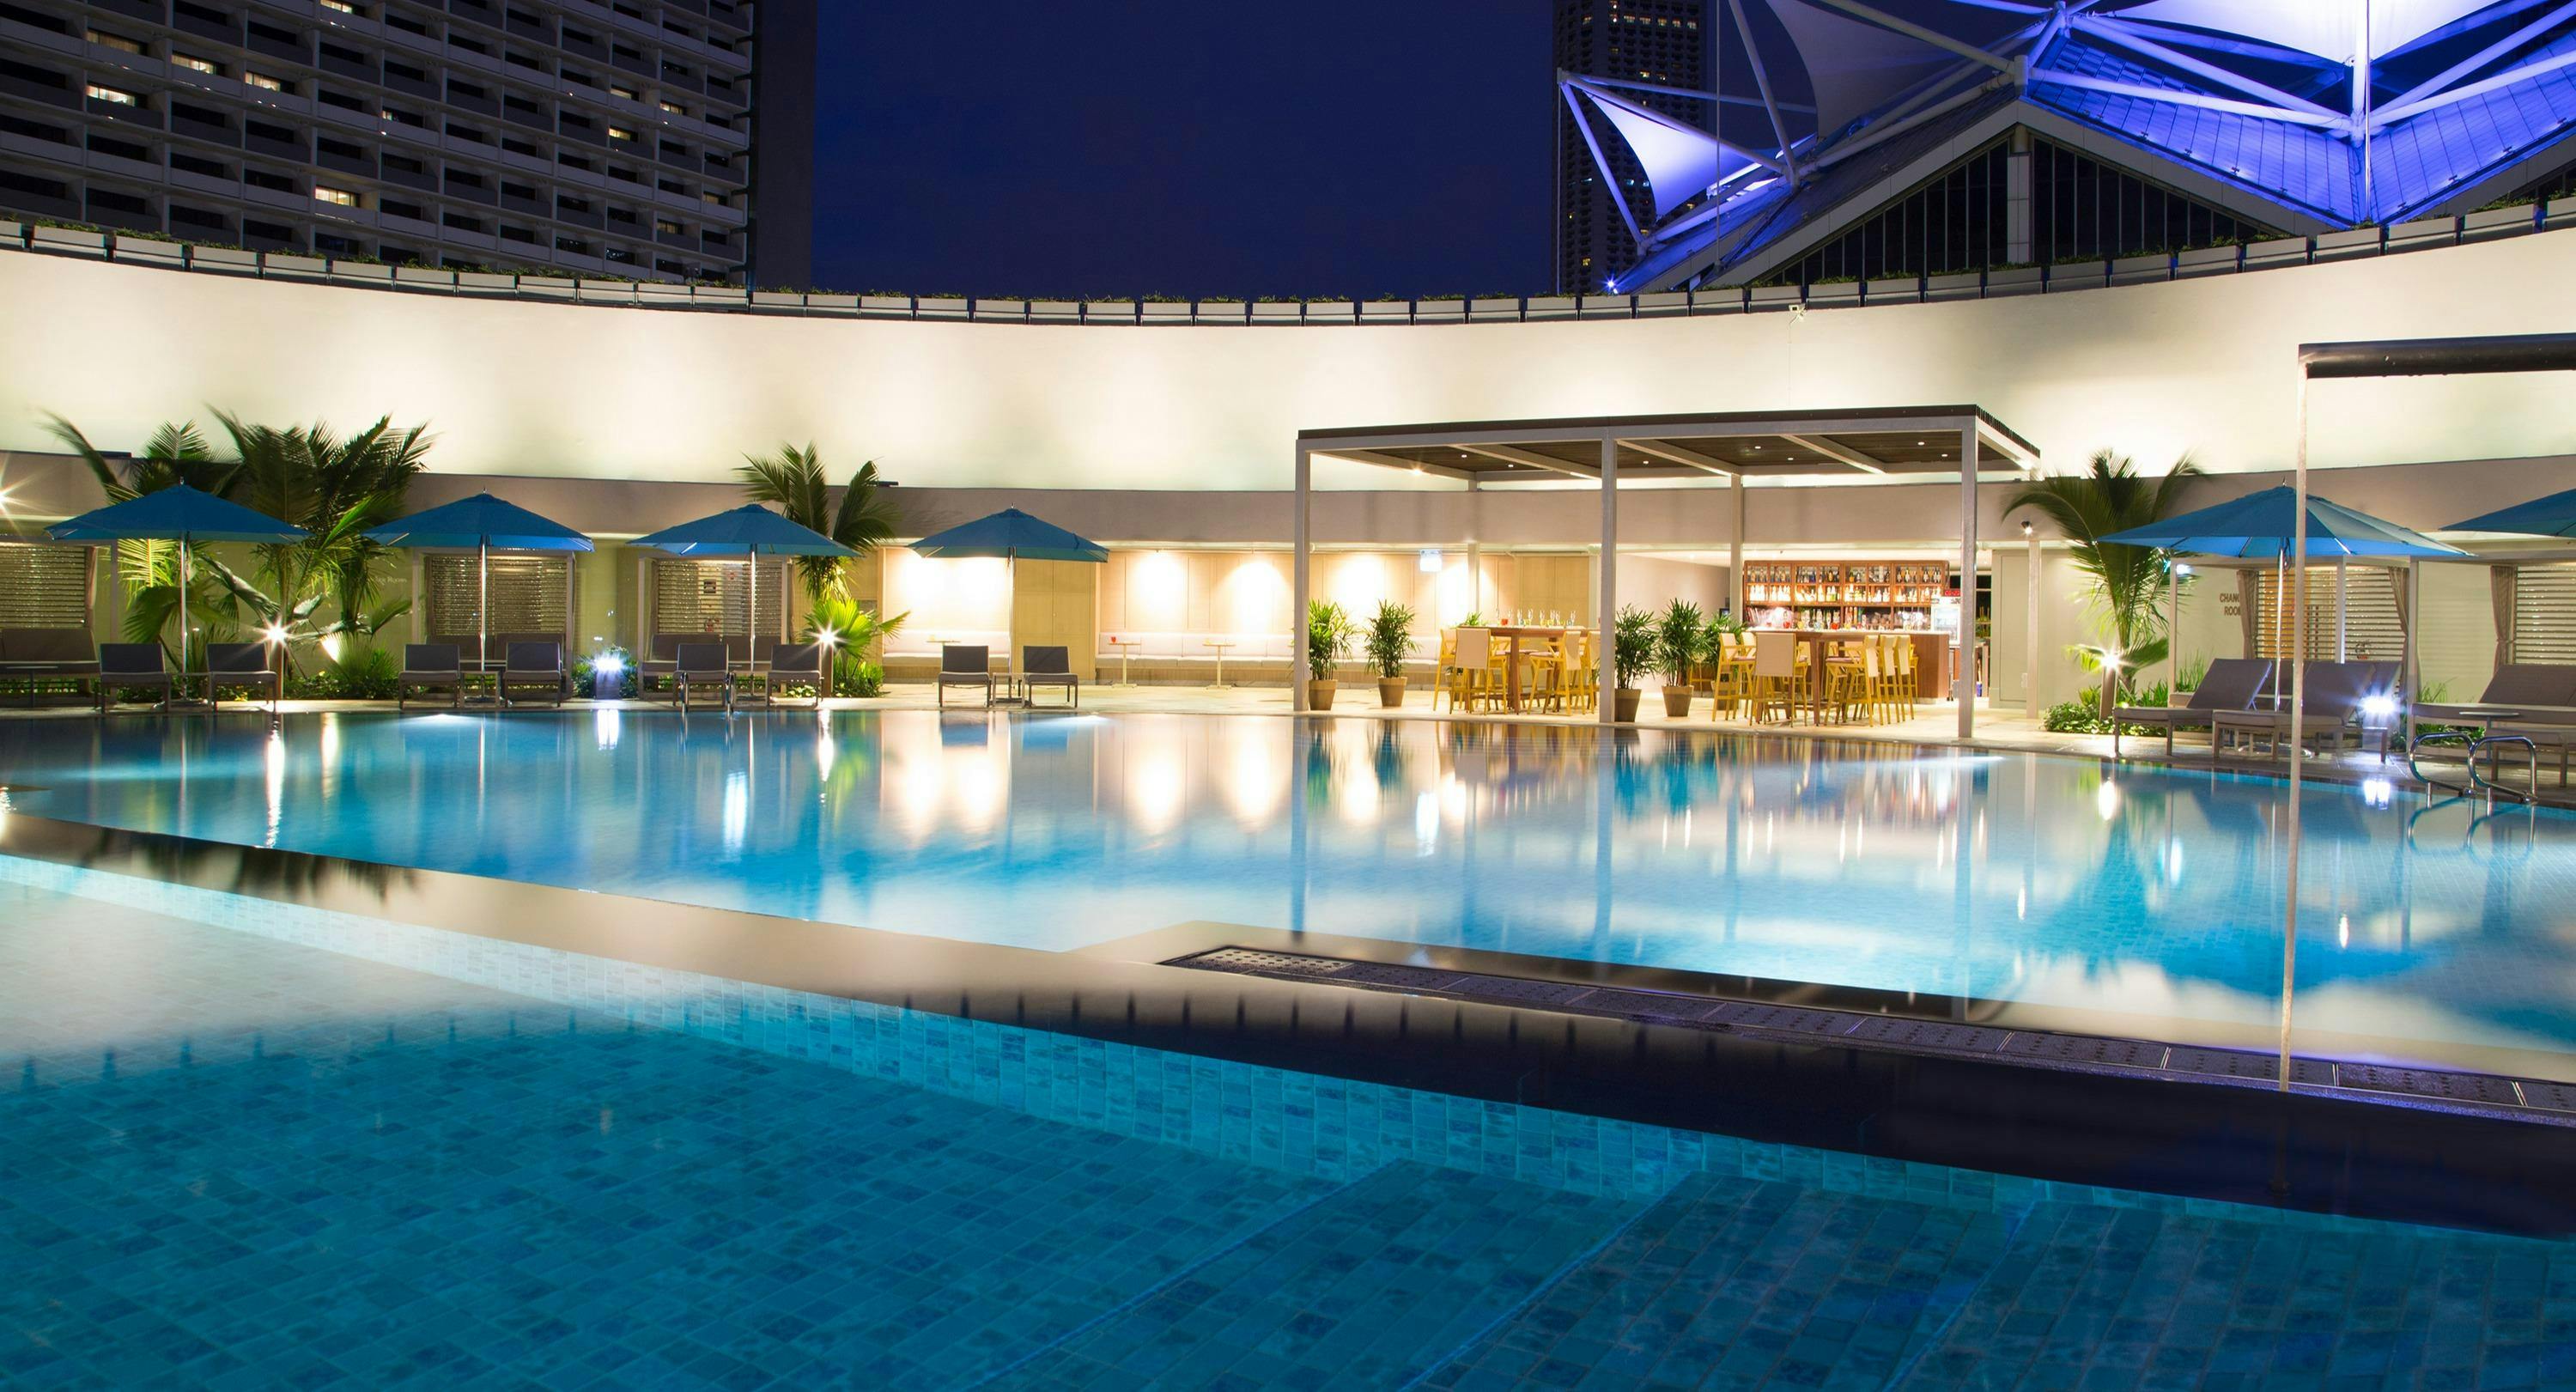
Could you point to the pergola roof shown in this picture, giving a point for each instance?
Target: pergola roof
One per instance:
(1917, 443)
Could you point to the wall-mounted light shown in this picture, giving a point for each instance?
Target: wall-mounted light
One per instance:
(1429, 561)
(608, 664)
(2025, 529)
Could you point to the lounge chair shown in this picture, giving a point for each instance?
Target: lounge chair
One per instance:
(39, 655)
(2230, 684)
(2515, 686)
(965, 664)
(796, 664)
(699, 667)
(430, 667)
(241, 667)
(1050, 667)
(2336, 691)
(129, 667)
(537, 667)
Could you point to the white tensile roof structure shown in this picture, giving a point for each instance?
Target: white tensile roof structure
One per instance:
(2302, 116)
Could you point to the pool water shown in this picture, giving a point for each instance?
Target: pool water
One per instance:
(2130, 900)
(237, 1160)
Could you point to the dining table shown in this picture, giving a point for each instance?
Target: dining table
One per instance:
(1512, 634)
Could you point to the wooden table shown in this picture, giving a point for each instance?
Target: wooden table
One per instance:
(1126, 648)
(1512, 634)
(1220, 644)
(1931, 660)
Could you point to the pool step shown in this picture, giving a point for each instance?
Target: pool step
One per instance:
(2527, 1098)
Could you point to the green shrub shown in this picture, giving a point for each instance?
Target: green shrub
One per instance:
(364, 674)
(2080, 718)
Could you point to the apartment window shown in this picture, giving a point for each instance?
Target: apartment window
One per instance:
(618, 254)
(330, 245)
(715, 198)
(198, 164)
(666, 227)
(405, 71)
(570, 204)
(462, 223)
(261, 178)
(671, 186)
(622, 51)
(517, 146)
(673, 147)
(614, 132)
(464, 89)
(518, 234)
(195, 217)
(339, 6)
(118, 42)
(270, 231)
(478, 136)
(409, 26)
(461, 178)
(670, 69)
(523, 60)
(572, 162)
(399, 208)
(202, 115)
(675, 108)
(264, 82)
(117, 202)
(399, 116)
(197, 64)
(404, 164)
(265, 131)
(114, 97)
(343, 54)
(628, 93)
(624, 215)
(110, 145)
(323, 193)
(579, 36)
(455, 40)
(341, 100)
(573, 244)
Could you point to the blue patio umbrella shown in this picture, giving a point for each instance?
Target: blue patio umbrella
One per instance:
(2554, 515)
(749, 531)
(484, 523)
(178, 513)
(1013, 536)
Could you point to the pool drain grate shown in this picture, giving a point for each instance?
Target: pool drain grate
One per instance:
(2529, 1098)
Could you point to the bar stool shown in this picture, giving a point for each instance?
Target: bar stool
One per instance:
(1780, 678)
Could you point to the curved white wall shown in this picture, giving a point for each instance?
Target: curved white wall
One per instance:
(519, 388)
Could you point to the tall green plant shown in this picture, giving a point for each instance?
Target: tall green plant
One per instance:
(1329, 631)
(1679, 640)
(1632, 646)
(1390, 638)
(2123, 582)
(863, 518)
(855, 633)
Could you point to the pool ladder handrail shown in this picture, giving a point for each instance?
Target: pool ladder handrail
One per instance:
(2475, 745)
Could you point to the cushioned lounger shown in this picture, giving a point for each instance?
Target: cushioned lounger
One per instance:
(2230, 684)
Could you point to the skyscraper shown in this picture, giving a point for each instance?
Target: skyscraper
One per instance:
(1667, 42)
(625, 137)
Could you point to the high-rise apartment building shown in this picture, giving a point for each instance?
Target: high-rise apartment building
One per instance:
(621, 137)
(1666, 42)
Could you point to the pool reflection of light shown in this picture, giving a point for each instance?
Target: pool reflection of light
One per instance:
(1253, 768)
(1157, 785)
(2377, 792)
(2173, 862)
(2106, 799)
(1426, 822)
(1358, 800)
(274, 772)
(737, 811)
(330, 755)
(606, 724)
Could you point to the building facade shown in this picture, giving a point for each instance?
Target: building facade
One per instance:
(574, 138)
(1666, 42)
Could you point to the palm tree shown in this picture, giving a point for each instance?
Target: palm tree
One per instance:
(335, 489)
(864, 520)
(2111, 496)
(149, 570)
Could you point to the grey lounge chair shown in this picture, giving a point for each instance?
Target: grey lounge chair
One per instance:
(2515, 686)
(2230, 684)
(240, 667)
(39, 655)
(965, 664)
(2336, 691)
(701, 667)
(130, 667)
(1050, 667)
(795, 664)
(536, 667)
(430, 667)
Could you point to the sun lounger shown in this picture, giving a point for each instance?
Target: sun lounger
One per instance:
(2336, 692)
(39, 655)
(965, 664)
(534, 667)
(794, 664)
(1050, 667)
(128, 667)
(430, 667)
(698, 668)
(2230, 684)
(240, 667)
(2515, 686)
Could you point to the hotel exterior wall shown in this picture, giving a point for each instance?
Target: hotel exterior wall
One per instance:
(571, 390)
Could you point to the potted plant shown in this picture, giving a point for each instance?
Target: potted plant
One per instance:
(1678, 644)
(1328, 640)
(1632, 655)
(1390, 638)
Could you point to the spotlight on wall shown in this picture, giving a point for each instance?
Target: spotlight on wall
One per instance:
(1429, 561)
(608, 664)
(274, 633)
(2025, 529)
(2183, 570)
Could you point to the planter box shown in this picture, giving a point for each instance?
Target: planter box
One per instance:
(831, 304)
(1659, 304)
(424, 278)
(2020, 280)
(1604, 307)
(1109, 311)
(1774, 297)
(1506, 307)
(2560, 212)
(1967, 285)
(13, 233)
(719, 297)
(1278, 313)
(283, 266)
(1901, 290)
(1839, 296)
(2204, 261)
(1332, 311)
(783, 301)
(660, 292)
(1164, 311)
(1055, 311)
(486, 283)
(2078, 275)
(2500, 222)
(1387, 312)
(1548, 307)
(606, 292)
(886, 306)
(360, 273)
(1724, 299)
(69, 240)
(2427, 232)
(2281, 251)
(941, 309)
(547, 287)
(1219, 312)
(2141, 270)
(225, 259)
(150, 253)
(999, 311)
(1439, 311)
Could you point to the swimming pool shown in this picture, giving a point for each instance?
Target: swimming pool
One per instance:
(252, 1145)
(2128, 900)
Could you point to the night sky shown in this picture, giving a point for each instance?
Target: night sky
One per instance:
(1069, 148)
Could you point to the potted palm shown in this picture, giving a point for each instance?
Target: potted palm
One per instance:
(1329, 631)
(1678, 644)
(1389, 640)
(1632, 655)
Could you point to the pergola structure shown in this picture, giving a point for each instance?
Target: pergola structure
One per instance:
(1733, 449)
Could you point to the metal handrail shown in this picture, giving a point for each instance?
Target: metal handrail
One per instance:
(2475, 745)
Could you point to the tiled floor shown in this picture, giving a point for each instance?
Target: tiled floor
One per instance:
(236, 1162)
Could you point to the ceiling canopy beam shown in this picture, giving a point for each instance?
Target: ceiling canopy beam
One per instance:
(1532, 459)
(1666, 450)
(1837, 453)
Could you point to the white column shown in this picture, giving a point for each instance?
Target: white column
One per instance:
(1301, 581)
(2412, 682)
(1475, 554)
(1963, 687)
(2342, 594)
(1735, 547)
(2030, 705)
(2298, 657)
(1606, 612)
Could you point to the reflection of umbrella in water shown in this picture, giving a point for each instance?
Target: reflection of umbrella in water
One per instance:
(178, 513)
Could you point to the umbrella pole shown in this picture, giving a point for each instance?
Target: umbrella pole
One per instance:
(183, 609)
(483, 604)
(1011, 618)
